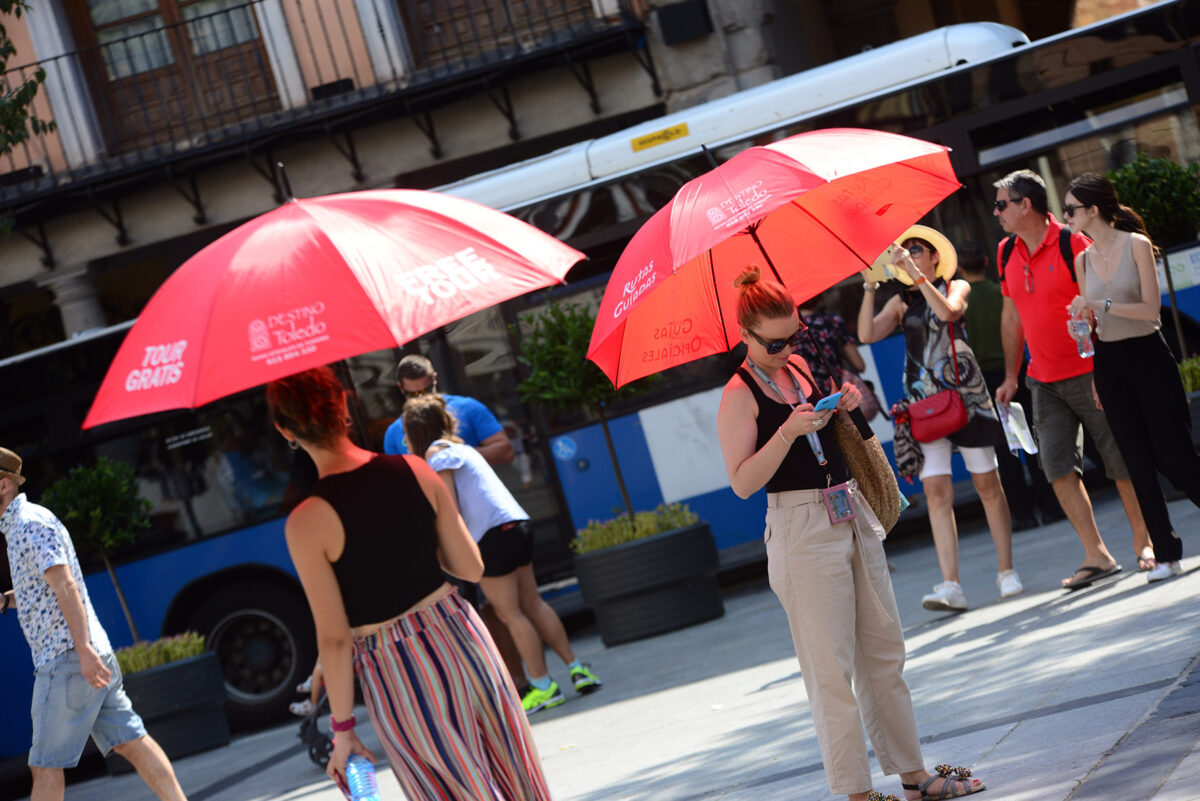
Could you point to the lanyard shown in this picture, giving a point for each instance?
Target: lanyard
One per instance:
(814, 441)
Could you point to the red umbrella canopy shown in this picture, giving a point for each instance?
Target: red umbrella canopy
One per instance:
(318, 280)
(813, 208)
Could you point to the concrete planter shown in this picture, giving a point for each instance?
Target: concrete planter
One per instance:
(182, 705)
(652, 586)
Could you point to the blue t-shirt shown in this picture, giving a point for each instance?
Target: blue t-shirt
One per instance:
(475, 424)
(483, 499)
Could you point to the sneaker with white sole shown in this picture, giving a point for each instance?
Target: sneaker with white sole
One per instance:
(536, 700)
(302, 709)
(1164, 570)
(1009, 583)
(946, 597)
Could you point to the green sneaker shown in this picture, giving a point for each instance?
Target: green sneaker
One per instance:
(585, 680)
(535, 699)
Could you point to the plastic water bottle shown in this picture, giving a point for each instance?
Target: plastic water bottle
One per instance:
(1081, 330)
(360, 777)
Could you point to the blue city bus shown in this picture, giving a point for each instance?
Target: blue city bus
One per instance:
(219, 479)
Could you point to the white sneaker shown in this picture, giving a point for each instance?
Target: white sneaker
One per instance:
(1164, 570)
(1009, 583)
(946, 597)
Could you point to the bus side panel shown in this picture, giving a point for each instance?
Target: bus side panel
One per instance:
(733, 521)
(586, 472)
(149, 585)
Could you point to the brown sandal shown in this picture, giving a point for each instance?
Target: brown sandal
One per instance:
(950, 787)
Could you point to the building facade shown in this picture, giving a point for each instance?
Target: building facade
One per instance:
(172, 114)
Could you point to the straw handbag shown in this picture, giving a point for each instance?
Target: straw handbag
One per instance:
(866, 461)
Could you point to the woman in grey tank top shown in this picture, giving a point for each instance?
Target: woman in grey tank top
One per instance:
(1136, 379)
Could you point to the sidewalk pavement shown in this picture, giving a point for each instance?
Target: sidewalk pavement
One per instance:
(1050, 696)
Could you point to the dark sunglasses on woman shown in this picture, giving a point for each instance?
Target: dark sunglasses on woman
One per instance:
(774, 346)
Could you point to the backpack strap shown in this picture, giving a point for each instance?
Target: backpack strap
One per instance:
(1064, 247)
(1010, 242)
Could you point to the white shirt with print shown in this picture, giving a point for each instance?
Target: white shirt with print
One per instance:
(37, 541)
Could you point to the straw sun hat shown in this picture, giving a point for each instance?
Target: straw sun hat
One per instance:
(947, 256)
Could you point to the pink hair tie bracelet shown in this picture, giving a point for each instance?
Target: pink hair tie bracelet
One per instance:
(345, 725)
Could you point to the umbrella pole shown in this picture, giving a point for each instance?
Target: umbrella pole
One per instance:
(808, 334)
(285, 186)
(860, 420)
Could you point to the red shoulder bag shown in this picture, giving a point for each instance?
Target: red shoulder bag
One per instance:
(942, 414)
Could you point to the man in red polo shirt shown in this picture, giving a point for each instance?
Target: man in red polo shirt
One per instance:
(1038, 285)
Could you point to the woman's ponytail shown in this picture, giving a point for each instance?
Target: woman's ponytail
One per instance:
(1126, 219)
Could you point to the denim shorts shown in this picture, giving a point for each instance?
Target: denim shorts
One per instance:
(66, 709)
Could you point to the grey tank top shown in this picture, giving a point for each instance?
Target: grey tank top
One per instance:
(1125, 286)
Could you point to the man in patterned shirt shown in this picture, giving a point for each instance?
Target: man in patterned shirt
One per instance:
(77, 687)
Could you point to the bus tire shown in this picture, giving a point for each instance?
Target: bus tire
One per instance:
(263, 636)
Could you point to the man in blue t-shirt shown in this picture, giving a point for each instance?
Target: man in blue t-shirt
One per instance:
(480, 429)
(477, 426)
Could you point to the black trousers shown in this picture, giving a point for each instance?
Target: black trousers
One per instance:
(1021, 495)
(1138, 383)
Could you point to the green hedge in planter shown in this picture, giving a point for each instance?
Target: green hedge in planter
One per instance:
(1189, 371)
(145, 655)
(605, 534)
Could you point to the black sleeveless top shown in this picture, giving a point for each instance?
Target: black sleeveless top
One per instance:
(799, 469)
(389, 561)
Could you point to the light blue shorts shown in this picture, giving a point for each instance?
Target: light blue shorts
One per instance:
(66, 709)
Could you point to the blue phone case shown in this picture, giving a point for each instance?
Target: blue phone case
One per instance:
(828, 402)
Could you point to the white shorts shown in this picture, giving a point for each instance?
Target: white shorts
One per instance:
(937, 458)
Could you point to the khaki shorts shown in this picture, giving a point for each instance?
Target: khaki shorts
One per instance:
(1058, 409)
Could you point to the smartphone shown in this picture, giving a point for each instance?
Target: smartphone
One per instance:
(828, 402)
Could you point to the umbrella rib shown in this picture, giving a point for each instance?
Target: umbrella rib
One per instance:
(712, 271)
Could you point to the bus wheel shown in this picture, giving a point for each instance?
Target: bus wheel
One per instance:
(263, 637)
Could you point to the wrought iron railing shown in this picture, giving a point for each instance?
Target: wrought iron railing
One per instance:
(253, 68)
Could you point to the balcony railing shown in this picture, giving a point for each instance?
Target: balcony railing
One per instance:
(254, 70)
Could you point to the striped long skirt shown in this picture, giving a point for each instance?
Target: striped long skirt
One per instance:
(445, 709)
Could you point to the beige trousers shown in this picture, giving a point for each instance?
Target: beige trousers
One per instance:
(833, 583)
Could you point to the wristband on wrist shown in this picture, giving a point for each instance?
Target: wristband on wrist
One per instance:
(920, 279)
(342, 725)
(870, 286)
(782, 437)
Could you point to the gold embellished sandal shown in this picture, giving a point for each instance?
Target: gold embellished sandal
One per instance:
(950, 787)
(875, 795)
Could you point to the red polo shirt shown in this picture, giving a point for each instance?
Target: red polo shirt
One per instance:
(1053, 355)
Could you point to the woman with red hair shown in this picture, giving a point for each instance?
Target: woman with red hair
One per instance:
(825, 554)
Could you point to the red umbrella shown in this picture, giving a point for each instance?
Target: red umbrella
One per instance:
(318, 280)
(812, 209)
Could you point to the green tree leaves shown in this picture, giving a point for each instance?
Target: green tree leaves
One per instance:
(1166, 194)
(99, 504)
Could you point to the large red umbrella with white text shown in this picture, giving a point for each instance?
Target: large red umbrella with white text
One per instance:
(811, 210)
(317, 280)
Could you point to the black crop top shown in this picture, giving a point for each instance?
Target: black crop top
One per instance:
(389, 561)
(799, 469)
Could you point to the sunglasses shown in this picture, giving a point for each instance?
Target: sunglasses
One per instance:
(1070, 209)
(416, 393)
(916, 250)
(774, 346)
(1001, 205)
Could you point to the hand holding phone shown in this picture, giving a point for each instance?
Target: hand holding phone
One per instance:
(828, 402)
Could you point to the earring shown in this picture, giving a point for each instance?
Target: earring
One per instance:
(293, 444)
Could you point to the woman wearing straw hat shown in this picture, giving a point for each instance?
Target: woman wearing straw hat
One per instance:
(927, 313)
